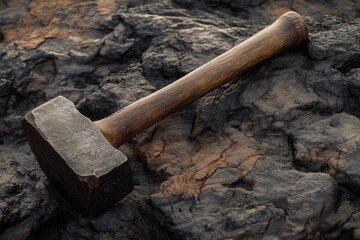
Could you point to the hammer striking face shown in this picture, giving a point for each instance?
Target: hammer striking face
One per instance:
(78, 155)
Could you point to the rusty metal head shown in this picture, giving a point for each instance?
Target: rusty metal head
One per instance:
(76, 157)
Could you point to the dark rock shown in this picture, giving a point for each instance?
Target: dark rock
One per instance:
(340, 37)
(120, 36)
(170, 57)
(330, 145)
(251, 212)
(117, 93)
(4, 87)
(12, 126)
(26, 199)
(238, 4)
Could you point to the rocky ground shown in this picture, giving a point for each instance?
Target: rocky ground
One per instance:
(275, 154)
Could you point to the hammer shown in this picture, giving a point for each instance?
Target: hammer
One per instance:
(80, 157)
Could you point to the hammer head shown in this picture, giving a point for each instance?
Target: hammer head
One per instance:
(76, 157)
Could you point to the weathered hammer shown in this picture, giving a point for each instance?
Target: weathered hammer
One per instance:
(78, 156)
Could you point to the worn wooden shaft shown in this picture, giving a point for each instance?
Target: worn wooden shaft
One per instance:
(288, 31)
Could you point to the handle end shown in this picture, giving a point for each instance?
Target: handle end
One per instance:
(295, 20)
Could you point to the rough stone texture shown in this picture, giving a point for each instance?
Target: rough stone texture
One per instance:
(27, 200)
(274, 154)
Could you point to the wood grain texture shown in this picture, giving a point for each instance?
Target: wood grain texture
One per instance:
(288, 31)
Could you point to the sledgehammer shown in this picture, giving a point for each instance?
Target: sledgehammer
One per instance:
(81, 158)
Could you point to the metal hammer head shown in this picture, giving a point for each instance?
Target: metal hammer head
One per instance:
(76, 157)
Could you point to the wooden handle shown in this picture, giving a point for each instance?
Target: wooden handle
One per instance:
(288, 31)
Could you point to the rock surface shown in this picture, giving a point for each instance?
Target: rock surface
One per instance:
(274, 154)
